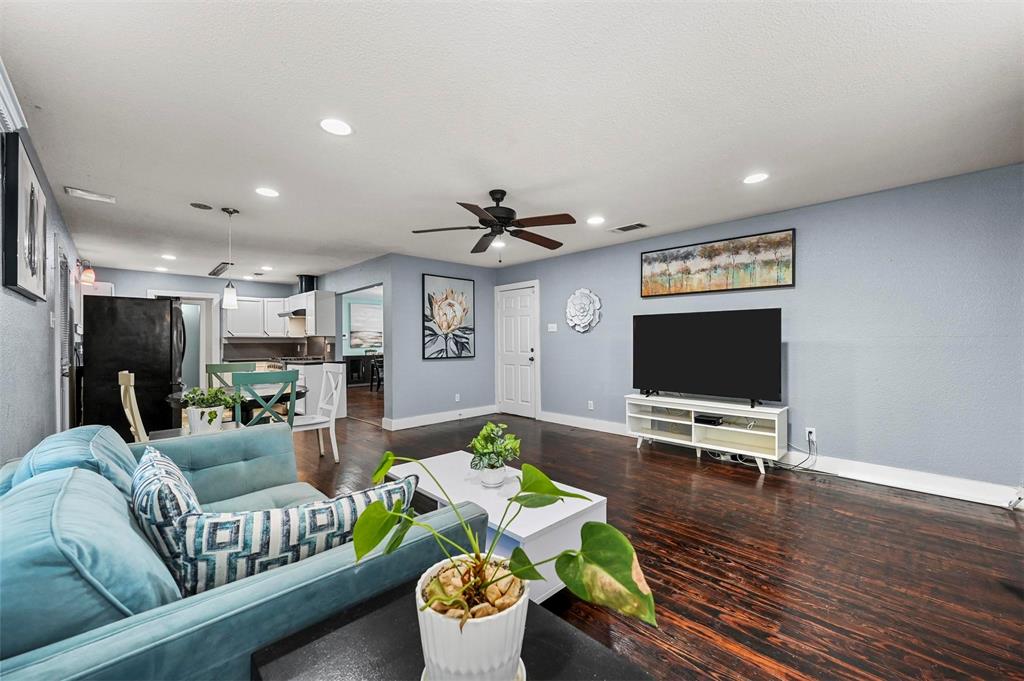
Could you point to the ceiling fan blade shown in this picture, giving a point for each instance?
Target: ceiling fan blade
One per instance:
(444, 229)
(535, 239)
(484, 243)
(477, 211)
(544, 220)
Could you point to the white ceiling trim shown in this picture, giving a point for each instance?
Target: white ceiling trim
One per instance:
(11, 116)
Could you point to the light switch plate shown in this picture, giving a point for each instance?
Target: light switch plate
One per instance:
(552, 328)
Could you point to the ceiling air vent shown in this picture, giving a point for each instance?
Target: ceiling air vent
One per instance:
(629, 228)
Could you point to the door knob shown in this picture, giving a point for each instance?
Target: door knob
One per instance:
(531, 359)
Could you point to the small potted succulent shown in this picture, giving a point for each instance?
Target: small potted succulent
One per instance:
(206, 408)
(492, 447)
(472, 605)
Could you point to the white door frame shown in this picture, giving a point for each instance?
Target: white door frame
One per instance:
(498, 290)
(209, 303)
(61, 384)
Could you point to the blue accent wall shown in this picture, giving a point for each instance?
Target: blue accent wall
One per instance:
(903, 338)
(135, 284)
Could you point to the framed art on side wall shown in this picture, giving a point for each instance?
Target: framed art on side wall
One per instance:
(449, 323)
(23, 206)
(749, 262)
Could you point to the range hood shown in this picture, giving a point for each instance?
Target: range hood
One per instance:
(307, 284)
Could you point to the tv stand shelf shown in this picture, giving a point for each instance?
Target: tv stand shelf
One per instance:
(760, 432)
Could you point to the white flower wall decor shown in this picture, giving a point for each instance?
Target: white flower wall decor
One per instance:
(583, 310)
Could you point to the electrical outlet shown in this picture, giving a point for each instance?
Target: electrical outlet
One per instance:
(811, 434)
(457, 397)
(590, 405)
(552, 328)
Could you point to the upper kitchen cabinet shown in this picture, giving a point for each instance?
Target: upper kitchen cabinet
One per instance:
(246, 320)
(274, 325)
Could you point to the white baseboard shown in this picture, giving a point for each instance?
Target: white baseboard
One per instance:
(613, 427)
(918, 481)
(437, 417)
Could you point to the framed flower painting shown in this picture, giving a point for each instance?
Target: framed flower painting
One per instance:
(449, 323)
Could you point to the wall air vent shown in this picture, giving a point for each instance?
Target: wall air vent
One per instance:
(629, 228)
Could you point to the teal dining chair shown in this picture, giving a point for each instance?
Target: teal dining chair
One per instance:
(216, 373)
(266, 389)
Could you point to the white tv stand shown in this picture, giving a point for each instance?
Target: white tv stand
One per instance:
(760, 432)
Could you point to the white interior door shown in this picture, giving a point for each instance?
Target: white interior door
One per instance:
(518, 348)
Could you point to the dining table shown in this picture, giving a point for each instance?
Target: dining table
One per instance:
(264, 390)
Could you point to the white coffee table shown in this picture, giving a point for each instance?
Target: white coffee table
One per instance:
(541, 532)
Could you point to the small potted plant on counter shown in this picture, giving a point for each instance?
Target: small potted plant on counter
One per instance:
(472, 605)
(492, 447)
(205, 408)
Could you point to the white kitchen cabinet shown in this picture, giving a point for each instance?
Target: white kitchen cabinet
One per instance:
(273, 324)
(246, 320)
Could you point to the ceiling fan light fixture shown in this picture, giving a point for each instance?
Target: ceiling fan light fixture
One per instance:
(498, 243)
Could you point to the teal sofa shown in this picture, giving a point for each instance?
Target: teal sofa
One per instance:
(80, 596)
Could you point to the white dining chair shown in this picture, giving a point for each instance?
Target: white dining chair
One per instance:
(126, 380)
(326, 409)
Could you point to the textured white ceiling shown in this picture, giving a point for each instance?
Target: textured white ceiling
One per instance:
(647, 112)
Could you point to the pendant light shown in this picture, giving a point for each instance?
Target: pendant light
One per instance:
(230, 298)
(88, 276)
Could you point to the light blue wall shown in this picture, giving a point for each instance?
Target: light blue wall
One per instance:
(903, 335)
(135, 284)
(414, 386)
(27, 392)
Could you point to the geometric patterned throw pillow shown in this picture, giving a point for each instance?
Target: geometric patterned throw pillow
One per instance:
(161, 495)
(219, 548)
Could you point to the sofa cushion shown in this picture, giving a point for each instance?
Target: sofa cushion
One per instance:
(218, 548)
(161, 495)
(7, 475)
(281, 496)
(72, 559)
(96, 448)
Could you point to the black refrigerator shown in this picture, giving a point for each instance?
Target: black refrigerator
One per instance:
(142, 335)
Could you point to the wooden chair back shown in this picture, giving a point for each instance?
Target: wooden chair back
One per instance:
(216, 373)
(245, 384)
(126, 380)
(330, 391)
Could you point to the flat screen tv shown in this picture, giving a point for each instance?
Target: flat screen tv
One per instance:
(734, 353)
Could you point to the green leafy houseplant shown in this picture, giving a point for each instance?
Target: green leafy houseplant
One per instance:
(604, 570)
(492, 447)
(211, 398)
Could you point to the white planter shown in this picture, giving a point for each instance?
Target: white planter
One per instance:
(492, 477)
(486, 649)
(198, 423)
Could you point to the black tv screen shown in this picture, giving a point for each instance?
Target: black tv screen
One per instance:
(734, 353)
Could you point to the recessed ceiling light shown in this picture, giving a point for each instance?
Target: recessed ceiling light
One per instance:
(168, 256)
(336, 126)
(755, 178)
(89, 196)
(266, 268)
(247, 277)
(498, 243)
(268, 192)
(595, 220)
(160, 269)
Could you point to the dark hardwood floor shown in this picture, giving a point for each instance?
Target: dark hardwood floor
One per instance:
(793, 575)
(365, 404)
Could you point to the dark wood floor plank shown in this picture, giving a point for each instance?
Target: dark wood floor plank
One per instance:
(794, 575)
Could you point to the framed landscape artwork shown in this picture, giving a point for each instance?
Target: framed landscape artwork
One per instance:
(24, 222)
(366, 328)
(449, 325)
(749, 262)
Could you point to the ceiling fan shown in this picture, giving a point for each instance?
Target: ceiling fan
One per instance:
(499, 219)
